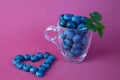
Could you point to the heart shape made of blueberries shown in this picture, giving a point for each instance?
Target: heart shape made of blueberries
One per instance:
(40, 70)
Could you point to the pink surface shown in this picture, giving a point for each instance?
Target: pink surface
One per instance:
(22, 24)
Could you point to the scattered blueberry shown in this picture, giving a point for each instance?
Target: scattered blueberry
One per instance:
(46, 55)
(46, 61)
(42, 68)
(27, 57)
(18, 62)
(46, 65)
(39, 73)
(27, 67)
(33, 70)
(34, 58)
(20, 57)
(49, 61)
(19, 65)
(15, 61)
(51, 57)
(39, 55)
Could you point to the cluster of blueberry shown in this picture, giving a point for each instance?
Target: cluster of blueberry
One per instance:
(72, 22)
(74, 34)
(40, 70)
(74, 42)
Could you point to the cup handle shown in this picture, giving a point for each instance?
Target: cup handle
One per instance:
(55, 38)
(47, 35)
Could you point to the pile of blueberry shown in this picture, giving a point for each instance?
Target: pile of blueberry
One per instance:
(72, 22)
(74, 34)
(40, 70)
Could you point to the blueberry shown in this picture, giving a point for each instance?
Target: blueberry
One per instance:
(27, 57)
(67, 17)
(20, 57)
(84, 40)
(62, 23)
(63, 35)
(42, 68)
(46, 55)
(77, 31)
(72, 50)
(69, 34)
(76, 38)
(83, 19)
(66, 47)
(61, 17)
(27, 67)
(69, 54)
(68, 42)
(39, 55)
(34, 58)
(46, 65)
(39, 73)
(83, 47)
(81, 26)
(71, 25)
(77, 53)
(84, 32)
(51, 57)
(76, 19)
(19, 65)
(33, 70)
(15, 61)
(48, 61)
(76, 45)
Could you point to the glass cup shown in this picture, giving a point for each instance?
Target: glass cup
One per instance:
(73, 44)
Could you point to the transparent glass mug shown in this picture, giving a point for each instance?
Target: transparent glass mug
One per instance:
(73, 44)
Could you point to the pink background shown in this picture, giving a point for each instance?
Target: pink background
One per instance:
(22, 25)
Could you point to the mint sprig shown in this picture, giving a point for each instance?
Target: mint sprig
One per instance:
(94, 24)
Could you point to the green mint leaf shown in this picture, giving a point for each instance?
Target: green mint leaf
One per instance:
(94, 28)
(100, 26)
(93, 23)
(89, 23)
(95, 16)
(100, 32)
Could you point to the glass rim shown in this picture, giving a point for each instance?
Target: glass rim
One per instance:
(71, 29)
